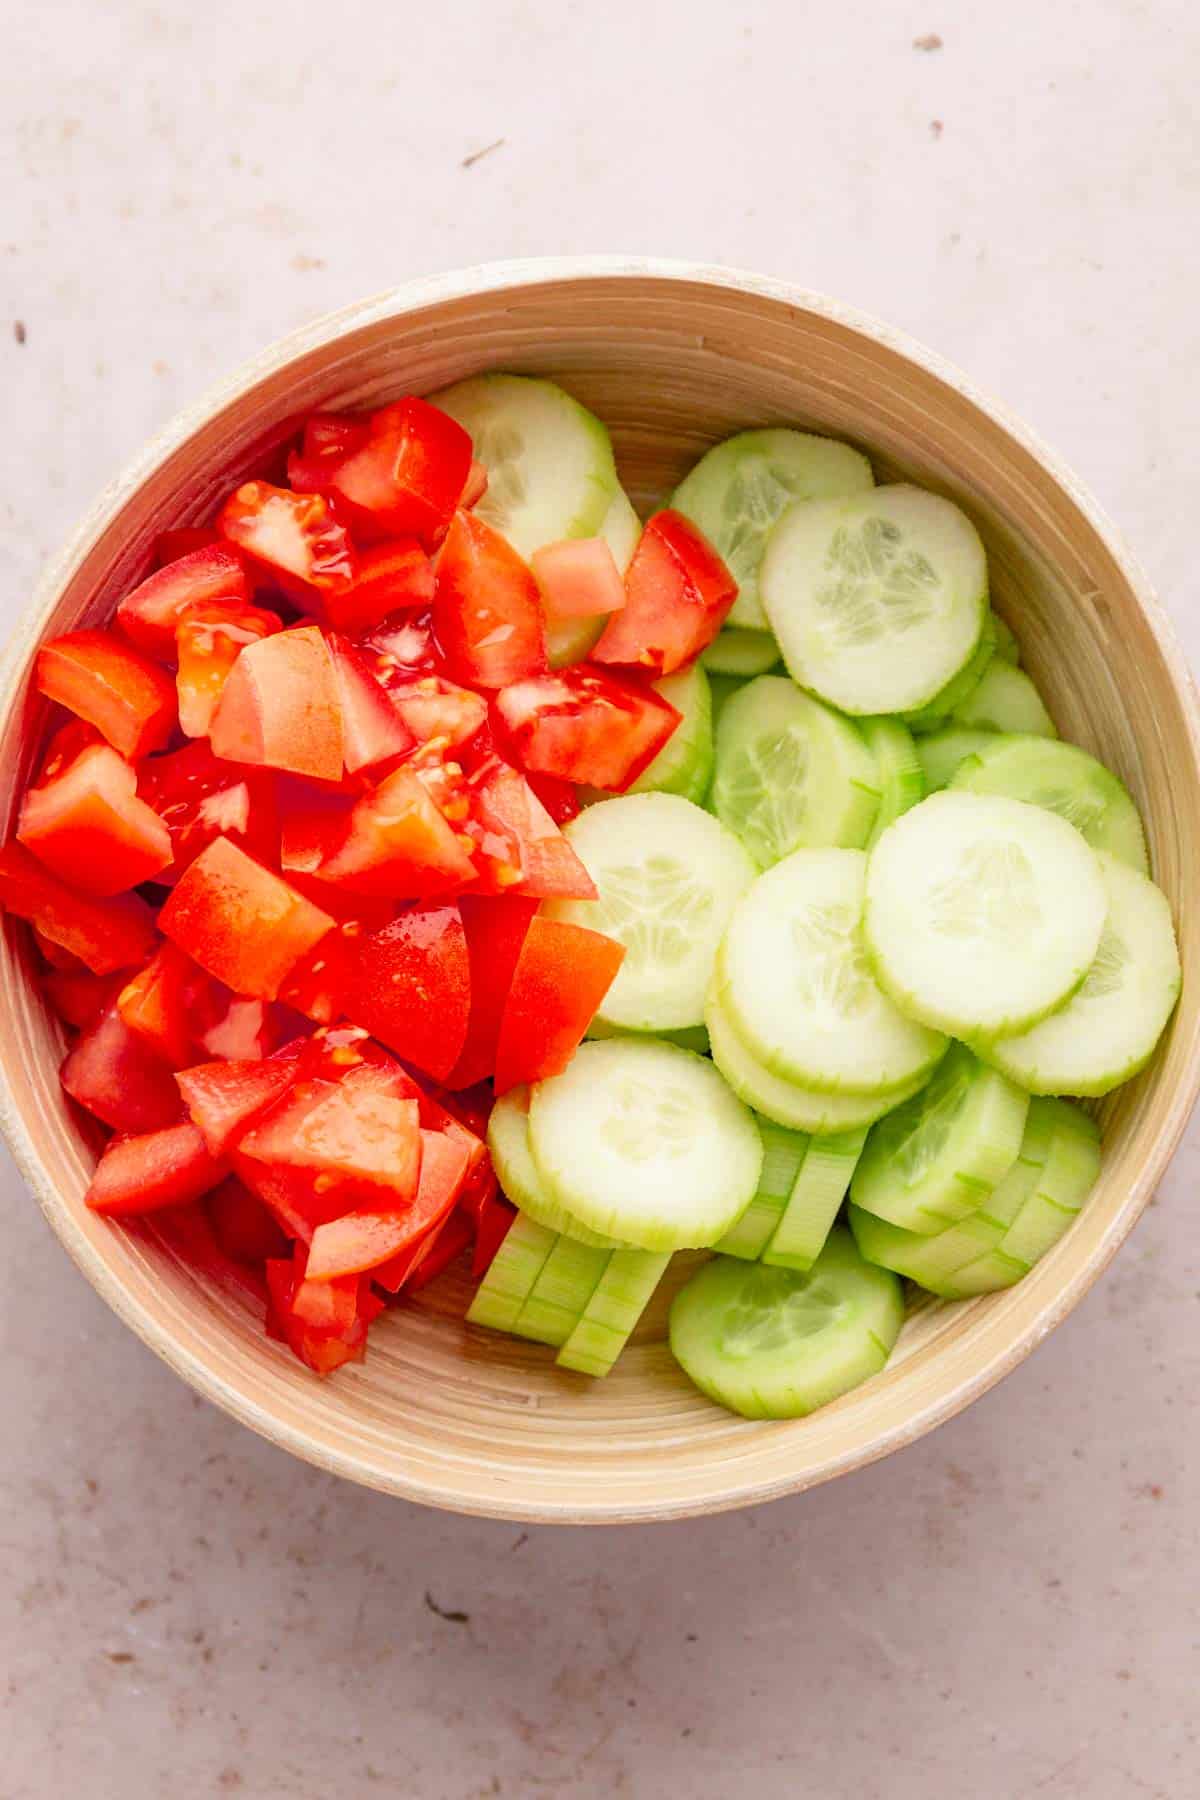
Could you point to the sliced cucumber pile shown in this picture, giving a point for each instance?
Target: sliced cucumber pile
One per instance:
(735, 651)
(1004, 699)
(815, 1201)
(684, 765)
(942, 753)
(614, 1307)
(519, 1176)
(783, 1156)
(512, 1275)
(566, 1282)
(901, 779)
(936, 712)
(1063, 779)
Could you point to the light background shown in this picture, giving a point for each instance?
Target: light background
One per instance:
(1007, 1610)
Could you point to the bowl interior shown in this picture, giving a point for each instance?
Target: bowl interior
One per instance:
(484, 1423)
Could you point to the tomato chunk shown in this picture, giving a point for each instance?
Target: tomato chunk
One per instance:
(403, 646)
(241, 1224)
(373, 730)
(487, 613)
(451, 1240)
(520, 848)
(89, 826)
(161, 1168)
(495, 926)
(410, 986)
(321, 1348)
(677, 593)
(492, 1221)
(360, 1241)
(126, 697)
(241, 922)
(117, 1076)
(295, 536)
(180, 540)
(226, 1098)
(79, 997)
(199, 797)
(333, 434)
(409, 475)
(394, 841)
(578, 578)
(586, 726)
(157, 1003)
(332, 1147)
(438, 713)
(67, 743)
(229, 1025)
(209, 638)
(562, 975)
(104, 934)
(150, 614)
(476, 488)
(281, 707)
(391, 576)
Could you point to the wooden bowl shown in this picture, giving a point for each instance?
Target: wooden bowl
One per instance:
(673, 357)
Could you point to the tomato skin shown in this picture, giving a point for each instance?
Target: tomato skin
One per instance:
(125, 696)
(116, 1075)
(437, 712)
(241, 1224)
(241, 922)
(495, 927)
(225, 1099)
(295, 536)
(586, 726)
(409, 475)
(200, 797)
(207, 572)
(89, 826)
(322, 1349)
(161, 1168)
(157, 1004)
(332, 1147)
(392, 843)
(557, 796)
(360, 1241)
(410, 986)
(578, 578)
(67, 743)
(677, 593)
(449, 1242)
(492, 1223)
(180, 541)
(333, 434)
(104, 934)
(281, 707)
(392, 576)
(373, 731)
(520, 849)
(79, 997)
(209, 638)
(487, 613)
(562, 975)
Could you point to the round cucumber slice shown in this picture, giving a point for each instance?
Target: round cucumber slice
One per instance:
(569, 640)
(901, 780)
(936, 1158)
(982, 913)
(668, 876)
(643, 1141)
(786, 1102)
(511, 1275)
(942, 752)
(791, 773)
(738, 652)
(793, 978)
(517, 1173)
(621, 1296)
(1061, 1185)
(740, 488)
(1110, 1026)
(1004, 699)
(774, 1343)
(684, 765)
(1065, 780)
(783, 1157)
(934, 714)
(816, 1200)
(878, 600)
(550, 464)
(1006, 641)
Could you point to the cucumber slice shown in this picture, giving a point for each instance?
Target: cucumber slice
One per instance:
(937, 711)
(688, 1037)
(566, 1282)
(668, 877)
(740, 488)
(788, 1103)
(987, 1275)
(793, 979)
(645, 1142)
(779, 1343)
(511, 1277)
(1110, 1026)
(517, 1173)
(684, 765)
(619, 1300)
(1065, 780)
(1060, 1187)
(878, 600)
(943, 752)
(722, 689)
(569, 640)
(791, 773)
(783, 1157)
(550, 464)
(901, 780)
(816, 1200)
(737, 652)
(1006, 641)
(937, 1157)
(982, 913)
(1004, 699)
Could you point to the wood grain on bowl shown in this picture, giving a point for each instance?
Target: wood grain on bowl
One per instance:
(673, 357)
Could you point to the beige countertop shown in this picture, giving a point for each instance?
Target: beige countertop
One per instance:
(1006, 1611)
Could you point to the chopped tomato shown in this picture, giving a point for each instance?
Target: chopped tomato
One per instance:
(495, 928)
(578, 578)
(281, 707)
(161, 1168)
(439, 714)
(586, 726)
(557, 796)
(199, 797)
(391, 576)
(410, 986)
(333, 434)
(360, 1241)
(347, 1051)
(403, 646)
(520, 849)
(126, 697)
(331, 1306)
(476, 488)
(157, 1003)
(492, 1221)
(321, 1349)
(55, 955)
(332, 1147)
(452, 1239)
(562, 975)
(677, 593)
(209, 638)
(89, 826)
(68, 742)
(296, 536)
(170, 546)
(228, 1025)
(373, 730)
(487, 614)
(409, 475)
(393, 841)
(79, 997)
(188, 1233)
(317, 984)
(242, 1225)
(105, 934)
(201, 574)
(226, 1098)
(241, 922)
(118, 1077)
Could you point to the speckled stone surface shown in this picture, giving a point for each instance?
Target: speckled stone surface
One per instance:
(1008, 1610)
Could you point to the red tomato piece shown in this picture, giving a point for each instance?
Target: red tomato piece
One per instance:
(491, 1228)
(126, 697)
(317, 984)
(55, 955)
(403, 646)
(495, 927)
(160, 1168)
(562, 975)
(360, 1241)
(487, 613)
(586, 726)
(393, 842)
(68, 742)
(105, 934)
(373, 730)
(150, 614)
(187, 1232)
(333, 434)
(281, 707)
(241, 922)
(199, 798)
(677, 593)
(226, 1098)
(116, 1075)
(321, 1349)
(340, 1146)
(347, 1052)
(439, 714)
(410, 986)
(409, 475)
(391, 576)
(330, 1306)
(209, 638)
(241, 1224)
(520, 849)
(79, 997)
(578, 578)
(157, 1004)
(89, 826)
(170, 546)
(557, 796)
(476, 488)
(451, 1241)
(225, 1024)
(296, 536)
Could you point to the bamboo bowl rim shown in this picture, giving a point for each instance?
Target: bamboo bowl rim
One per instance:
(1001, 1351)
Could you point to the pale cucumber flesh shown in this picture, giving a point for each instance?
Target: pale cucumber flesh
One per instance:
(1063, 779)
(783, 1156)
(684, 765)
(738, 652)
(816, 1199)
(618, 1302)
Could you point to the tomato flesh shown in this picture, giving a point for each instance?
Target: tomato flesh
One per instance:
(578, 578)
(281, 707)
(410, 986)
(226, 1098)
(209, 638)
(157, 1004)
(360, 1241)
(89, 826)
(677, 593)
(199, 798)
(129, 699)
(204, 573)
(161, 1168)
(520, 849)
(495, 928)
(241, 1224)
(394, 841)
(562, 974)
(373, 730)
(487, 612)
(295, 536)
(104, 934)
(79, 997)
(409, 474)
(116, 1075)
(391, 576)
(586, 726)
(241, 922)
